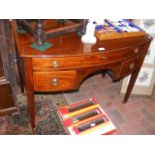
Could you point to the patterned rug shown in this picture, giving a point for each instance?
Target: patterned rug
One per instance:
(47, 121)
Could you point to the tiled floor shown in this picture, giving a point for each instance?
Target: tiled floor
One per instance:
(135, 117)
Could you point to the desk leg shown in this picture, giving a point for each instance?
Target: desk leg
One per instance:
(135, 74)
(31, 108)
(30, 90)
(130, 85)
(20, 75)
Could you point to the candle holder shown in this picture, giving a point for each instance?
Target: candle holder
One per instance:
(43, 29)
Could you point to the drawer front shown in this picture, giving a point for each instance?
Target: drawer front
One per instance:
(130, 65)
(72, 62)
(134, 51)
(54, 81)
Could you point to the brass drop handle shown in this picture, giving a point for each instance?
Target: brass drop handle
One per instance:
(132, 65)
(55, 64)
(136, 50)
(55, 82)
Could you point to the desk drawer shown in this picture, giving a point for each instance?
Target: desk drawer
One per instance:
(130, 65)
(54, 81)
(133, 51)
(72, 62)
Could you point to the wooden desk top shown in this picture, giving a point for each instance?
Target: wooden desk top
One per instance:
(71, 44)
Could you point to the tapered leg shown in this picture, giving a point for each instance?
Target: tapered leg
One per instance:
(31, 108)
(30, 90)
(130, 85)
(135, 74)
(20, 75)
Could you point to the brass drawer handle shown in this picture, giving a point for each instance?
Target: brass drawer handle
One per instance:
(55, 64)
(55, 82)
(132, 65)
(104, 58)
(136, 50)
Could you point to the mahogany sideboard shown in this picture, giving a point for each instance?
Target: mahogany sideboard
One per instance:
(68, 62)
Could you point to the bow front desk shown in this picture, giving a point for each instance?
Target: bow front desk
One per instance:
(68, 62)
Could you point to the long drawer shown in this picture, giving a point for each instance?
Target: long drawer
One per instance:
(82, 61)
(70, 62)
(54, 81)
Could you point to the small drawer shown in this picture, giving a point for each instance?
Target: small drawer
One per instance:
(130, 65)
(54, 81)
(134, 51)
(56, 62)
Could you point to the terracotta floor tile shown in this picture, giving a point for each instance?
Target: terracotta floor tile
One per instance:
(147, 126)
(132, 127)
(148, 115)
(117, 117)
(150, 106)
(134, 115)
(135, 106)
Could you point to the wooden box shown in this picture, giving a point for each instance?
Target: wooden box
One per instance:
(110, 31)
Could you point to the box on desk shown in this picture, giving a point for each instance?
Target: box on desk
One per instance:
(85, 117)
(120, 29)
